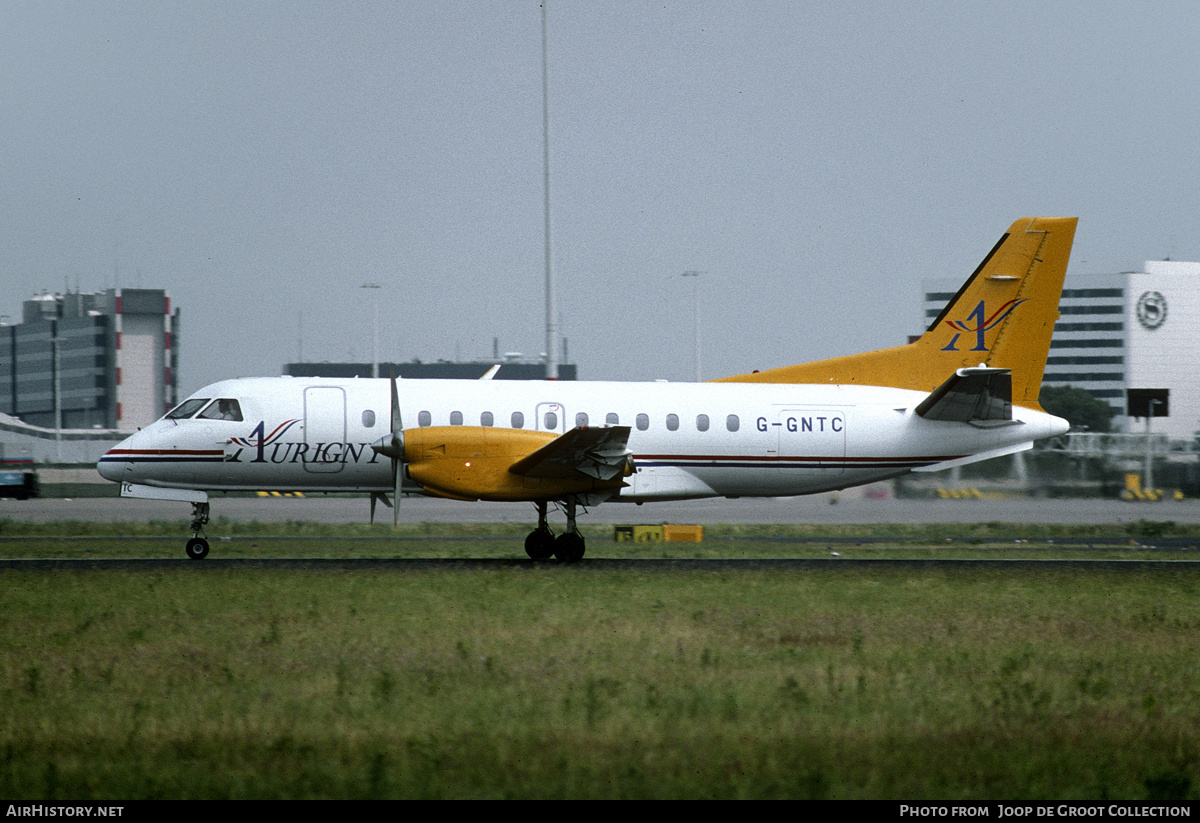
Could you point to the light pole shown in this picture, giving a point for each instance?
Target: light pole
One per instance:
(374, 327)
(695, 275)
(551, 297)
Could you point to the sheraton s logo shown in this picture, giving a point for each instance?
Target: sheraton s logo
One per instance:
(1152, 310)
(982, 324)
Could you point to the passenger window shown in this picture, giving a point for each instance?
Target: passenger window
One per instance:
(455, 418)
(424, 418)
(643, 422)
(187, 408)
(223, 409)
(368, 419)
(550, 421)
(732, 423)
(581, 420)
(518, 420)
(702, 422)
(486, 419)
(672, 422)
(611, 419)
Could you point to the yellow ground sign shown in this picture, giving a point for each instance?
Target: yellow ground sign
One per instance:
(666, 533)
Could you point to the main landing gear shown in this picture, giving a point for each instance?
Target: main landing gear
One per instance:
(541, 544)
(197, 547)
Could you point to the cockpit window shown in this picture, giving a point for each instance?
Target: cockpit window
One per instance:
(223, 409)
(187, 408)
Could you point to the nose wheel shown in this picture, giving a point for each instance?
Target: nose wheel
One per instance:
(197, 547)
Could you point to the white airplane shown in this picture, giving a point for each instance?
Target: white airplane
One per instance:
(966, 390)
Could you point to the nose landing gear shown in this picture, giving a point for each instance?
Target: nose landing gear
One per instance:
(197, 547)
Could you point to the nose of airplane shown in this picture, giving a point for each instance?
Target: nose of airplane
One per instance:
(110, 465)
(116, 462)
(107, 468)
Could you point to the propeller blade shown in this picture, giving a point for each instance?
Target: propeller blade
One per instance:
(398, 478)
(397, 452)
(396, 424)
(392, 445)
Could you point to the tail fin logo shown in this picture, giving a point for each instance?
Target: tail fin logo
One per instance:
(983, 324)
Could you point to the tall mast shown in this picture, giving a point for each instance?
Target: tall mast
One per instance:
(551, 310)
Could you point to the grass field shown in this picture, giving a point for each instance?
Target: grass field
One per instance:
(563, 681)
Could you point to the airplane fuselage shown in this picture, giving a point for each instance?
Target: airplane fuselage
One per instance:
(688, 440)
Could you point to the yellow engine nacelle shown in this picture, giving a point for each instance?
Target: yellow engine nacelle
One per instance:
(472, 463)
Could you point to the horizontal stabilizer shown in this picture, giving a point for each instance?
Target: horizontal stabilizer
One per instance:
(976, 458)
(978, 395)
(599, 453)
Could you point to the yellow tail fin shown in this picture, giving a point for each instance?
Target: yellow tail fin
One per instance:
(1002, 317)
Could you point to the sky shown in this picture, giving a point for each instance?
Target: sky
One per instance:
(262, 161)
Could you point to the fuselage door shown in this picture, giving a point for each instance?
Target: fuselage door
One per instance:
(815, 438)
(551, 417)
(324, 428)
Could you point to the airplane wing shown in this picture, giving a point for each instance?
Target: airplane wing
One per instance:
(600, 453)
(981, 396)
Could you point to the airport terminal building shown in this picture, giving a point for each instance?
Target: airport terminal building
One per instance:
(91, 361)
(1133, 330)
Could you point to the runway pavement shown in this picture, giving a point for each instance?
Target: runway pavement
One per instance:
(816, 509)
